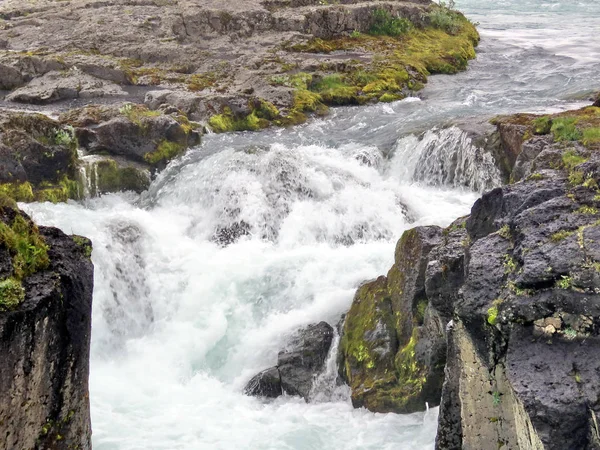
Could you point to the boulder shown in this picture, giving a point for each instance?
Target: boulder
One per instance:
(297, 366)
(54, 86)
(392, 347)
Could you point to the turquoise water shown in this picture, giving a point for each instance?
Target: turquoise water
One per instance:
(181, 323)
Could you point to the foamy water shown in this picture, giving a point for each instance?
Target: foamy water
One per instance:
(181, 322)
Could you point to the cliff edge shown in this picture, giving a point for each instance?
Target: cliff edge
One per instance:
(46, 280)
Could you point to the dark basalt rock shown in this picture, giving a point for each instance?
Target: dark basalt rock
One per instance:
(297, 365)
(498, 314)
(44, 350)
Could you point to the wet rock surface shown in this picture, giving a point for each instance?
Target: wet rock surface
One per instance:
(501, 308)
(44, 338)
(297, 365)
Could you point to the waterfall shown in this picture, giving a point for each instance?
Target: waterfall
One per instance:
(446, 157)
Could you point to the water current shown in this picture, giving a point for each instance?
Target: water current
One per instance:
(180, 322)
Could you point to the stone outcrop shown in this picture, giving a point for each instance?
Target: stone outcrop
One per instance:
(297, 366)
(46, 282)
(499, 312)
(40, 158)
(232, 65)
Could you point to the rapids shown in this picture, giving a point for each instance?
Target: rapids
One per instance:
(181, 322)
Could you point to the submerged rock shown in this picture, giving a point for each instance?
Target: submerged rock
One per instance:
(297, 365)
(45, 328)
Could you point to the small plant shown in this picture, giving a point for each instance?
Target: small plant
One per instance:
(355, 34)
(126, 109)
(445, 19)
(510, 265)
(565, 282)
(542, 125)
(563, 129)
(280, 80)
(384, 24)
(496, 400)
(504, 232)
(570, 333)
(65, 136)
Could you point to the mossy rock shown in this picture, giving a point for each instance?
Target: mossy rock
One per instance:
(107, 176)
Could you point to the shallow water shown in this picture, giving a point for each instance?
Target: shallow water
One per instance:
(180, 323)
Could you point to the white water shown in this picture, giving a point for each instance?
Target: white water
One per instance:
(180, 323)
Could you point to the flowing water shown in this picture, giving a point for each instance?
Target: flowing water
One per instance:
(181, 321)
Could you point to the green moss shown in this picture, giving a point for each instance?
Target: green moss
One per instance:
(400, 63)
(20, 192)
(591, 136)
(165, 151)
(11, 294)
(535, 177)
(201, 81)
(576, 178)
(411, 375)
(587, 210)
(84, 243)
(28, 250)
(510, 265)
(560, 235)
(108, 176)
(492, 315)
(388, 98)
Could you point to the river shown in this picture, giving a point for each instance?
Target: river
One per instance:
(181, 323)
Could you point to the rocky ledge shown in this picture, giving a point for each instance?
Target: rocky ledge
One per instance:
(137, 82)
(46, 282)
(497, 317)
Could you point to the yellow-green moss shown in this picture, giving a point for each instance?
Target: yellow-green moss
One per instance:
(84, 243)
(62, 191)
(165, 151)
(411, 376)
(262, 112)
(27, 248)
(11, 294)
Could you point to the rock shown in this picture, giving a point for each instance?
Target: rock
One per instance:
(45, 342)
(133, 132)
(10, 78)
(222, 61)
(297, 365)
(265, 384)
(392, 349)
(507, 299)
(37, 157)
(55, 86)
